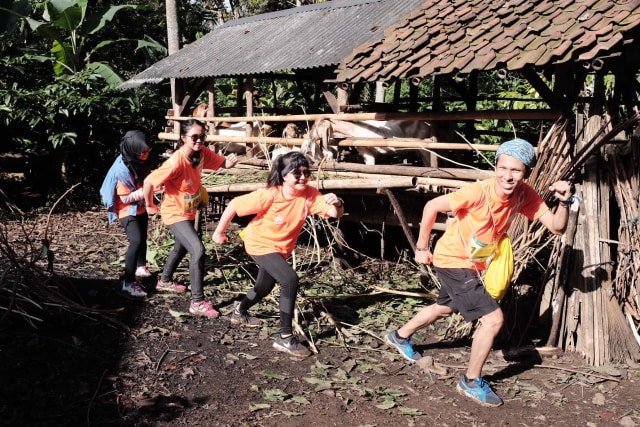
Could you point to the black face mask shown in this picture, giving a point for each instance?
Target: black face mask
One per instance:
(132, 145)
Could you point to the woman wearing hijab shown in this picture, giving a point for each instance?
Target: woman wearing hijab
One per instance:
(122, 195)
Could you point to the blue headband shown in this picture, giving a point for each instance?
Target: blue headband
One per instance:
(518, 149)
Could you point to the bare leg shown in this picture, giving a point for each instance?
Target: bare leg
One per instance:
(424, 318)
(483, 338)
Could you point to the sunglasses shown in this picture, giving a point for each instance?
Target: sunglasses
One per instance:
(297, 174)
(196, 137)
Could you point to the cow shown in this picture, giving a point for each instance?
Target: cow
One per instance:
(291, 130)
(321, 140)
(238, 129)
(231, 129)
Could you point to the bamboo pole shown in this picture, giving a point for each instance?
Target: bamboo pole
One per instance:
(423, 182)
(333, 184)
(401, 170)
(558, 301)
(167, 136)
(427, 116)
(415, 143)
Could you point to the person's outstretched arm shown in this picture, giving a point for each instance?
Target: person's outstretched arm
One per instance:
(229, 213)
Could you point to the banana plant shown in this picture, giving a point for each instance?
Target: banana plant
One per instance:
(70, 27)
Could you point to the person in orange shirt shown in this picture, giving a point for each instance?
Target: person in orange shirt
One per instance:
(280, 212)
(121, 193)
(483, 212)
(180, 176)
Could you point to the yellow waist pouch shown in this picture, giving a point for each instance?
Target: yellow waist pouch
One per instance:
(497, 278)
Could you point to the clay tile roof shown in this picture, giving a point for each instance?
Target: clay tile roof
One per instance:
(461, 36)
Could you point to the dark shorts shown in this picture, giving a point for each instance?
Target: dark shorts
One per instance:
(462, 291)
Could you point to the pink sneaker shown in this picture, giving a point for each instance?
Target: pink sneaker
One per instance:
(203, 308)
(170, 286)
(143, 272)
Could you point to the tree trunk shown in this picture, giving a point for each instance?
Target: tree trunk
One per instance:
(173, 44)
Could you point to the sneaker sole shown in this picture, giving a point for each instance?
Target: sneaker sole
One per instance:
(215, 316)
(171, 290)
(475, 399)
(388, 341)
(289, 352)
(132, 297)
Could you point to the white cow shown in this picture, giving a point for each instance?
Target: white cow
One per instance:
(231, 129)
(321, 139)
(237, 129)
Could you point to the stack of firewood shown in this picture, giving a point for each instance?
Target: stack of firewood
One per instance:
(585, 296)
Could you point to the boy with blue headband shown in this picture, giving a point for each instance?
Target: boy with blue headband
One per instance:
(483, 212)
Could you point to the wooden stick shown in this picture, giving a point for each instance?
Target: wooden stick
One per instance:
(405, 293)
(542, 365)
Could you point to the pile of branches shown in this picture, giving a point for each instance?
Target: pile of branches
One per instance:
(29, 289)
(625, 184)
(559, 160)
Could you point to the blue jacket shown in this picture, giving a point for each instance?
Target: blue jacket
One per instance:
(118, 172)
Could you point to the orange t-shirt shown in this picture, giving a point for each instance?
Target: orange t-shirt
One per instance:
(481, 215)
(123, 208)
(182, 184)
(278, 221)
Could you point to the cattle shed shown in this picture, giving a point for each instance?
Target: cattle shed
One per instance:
(365, 61)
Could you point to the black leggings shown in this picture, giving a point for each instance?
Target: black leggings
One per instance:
(274, 268)
(136, 255)
(187, 240)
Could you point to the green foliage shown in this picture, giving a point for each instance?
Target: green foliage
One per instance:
(72, 114)
(254, 7)
(68, 26)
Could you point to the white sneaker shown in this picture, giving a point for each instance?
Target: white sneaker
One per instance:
(143, 271)
(133, 289)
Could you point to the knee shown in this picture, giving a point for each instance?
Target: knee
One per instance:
(291, 281)
(293, 278)
(494, 321)
(198, 253)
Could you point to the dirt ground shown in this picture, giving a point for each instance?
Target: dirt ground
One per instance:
(157, 366)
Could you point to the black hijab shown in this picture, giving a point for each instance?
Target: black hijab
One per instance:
(132, 145)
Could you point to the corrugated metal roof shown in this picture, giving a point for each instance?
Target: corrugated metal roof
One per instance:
(305, 37)
(460, 36)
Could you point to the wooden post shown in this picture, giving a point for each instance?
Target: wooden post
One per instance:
(343, 97)
(211, 110)
(380, 91)
(248, 96)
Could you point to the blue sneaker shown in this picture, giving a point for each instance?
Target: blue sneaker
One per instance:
(478, 390)
(405, 348)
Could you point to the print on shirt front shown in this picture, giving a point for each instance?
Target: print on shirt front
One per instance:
(470, 205)
(191, 202)
(278, 221)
